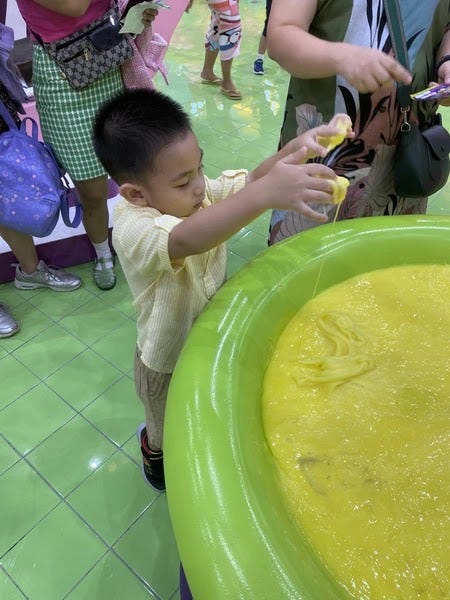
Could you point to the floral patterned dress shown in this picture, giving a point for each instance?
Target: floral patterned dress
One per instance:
(367, 160)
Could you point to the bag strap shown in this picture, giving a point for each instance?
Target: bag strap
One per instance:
(6, 116)
(398, 40)
(64, 207)
(3, 12)
(34, 128)
(395, 24)
(65, 214)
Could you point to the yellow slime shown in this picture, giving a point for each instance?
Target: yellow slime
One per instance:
(330, 142)
(356, 411)
(340, 184)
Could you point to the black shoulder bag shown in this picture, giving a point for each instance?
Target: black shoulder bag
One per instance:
(422, 162)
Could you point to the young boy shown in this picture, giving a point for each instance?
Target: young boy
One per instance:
(171, 225)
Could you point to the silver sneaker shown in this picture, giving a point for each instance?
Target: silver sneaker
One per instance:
(47, 277)
(8, 325)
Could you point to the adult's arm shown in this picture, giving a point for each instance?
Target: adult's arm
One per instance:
(443, 73)
(306, 56)
(444, 50)
(70, 8)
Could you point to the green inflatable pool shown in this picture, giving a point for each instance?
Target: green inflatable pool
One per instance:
(235, 536)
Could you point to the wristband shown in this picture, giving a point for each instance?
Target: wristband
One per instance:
(441, 61)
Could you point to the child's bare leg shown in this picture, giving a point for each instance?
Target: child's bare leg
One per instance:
(208, 65)
(262, 45)
(227, 83)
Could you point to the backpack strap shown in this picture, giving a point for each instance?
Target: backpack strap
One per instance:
(6, 116)
(34, 128)
(65, 214)
(64, 207)
(3, 11)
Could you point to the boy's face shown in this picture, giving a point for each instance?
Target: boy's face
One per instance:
(176, 185)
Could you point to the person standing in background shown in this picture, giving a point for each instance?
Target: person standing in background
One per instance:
(258, 65)
(223, 39)
(31, 273)
(66, 114)
(340, 59)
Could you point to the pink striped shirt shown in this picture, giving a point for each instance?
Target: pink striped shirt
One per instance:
(51, 25)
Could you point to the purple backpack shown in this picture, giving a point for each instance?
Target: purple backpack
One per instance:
(33, 189)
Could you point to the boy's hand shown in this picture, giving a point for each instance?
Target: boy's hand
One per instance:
(332, 135)
(291, 185)
(320, 140)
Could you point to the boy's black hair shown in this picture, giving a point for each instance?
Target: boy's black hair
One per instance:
(131, 129)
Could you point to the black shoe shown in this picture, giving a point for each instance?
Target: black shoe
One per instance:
(152, 462)
(258, 67)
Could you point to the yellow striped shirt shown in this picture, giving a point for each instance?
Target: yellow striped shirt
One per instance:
(168, 297)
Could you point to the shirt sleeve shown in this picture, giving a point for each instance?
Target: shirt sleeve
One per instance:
(164, 225)
(141, 237)
(229, 182)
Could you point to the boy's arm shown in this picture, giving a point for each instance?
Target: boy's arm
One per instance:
(288, 185)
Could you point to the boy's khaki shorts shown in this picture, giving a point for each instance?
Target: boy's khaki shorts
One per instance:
(152, 387)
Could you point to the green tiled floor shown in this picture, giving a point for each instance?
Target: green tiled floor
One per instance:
(76, 519)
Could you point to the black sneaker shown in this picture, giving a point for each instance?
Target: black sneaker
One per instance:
(152, 462)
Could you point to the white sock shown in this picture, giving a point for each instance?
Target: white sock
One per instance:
(103, 250)
(261, 56)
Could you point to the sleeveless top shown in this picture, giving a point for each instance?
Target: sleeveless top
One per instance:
(52, 26)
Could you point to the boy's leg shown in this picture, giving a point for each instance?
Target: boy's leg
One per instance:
(258, 65)
(207, 74)
(262, 47)
(152, 388)
(185, 592)
(227, 83)
(211, 51)
(228, 41)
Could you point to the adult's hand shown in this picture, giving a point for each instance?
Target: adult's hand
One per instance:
(368, 69)
(444, 77)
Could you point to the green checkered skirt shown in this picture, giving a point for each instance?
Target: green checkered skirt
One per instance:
(66, 114)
